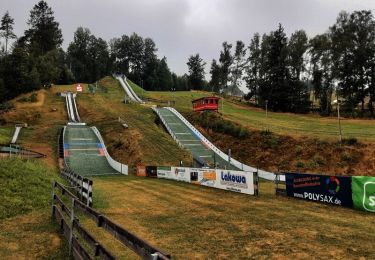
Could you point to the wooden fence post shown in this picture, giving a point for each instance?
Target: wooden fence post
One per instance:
(53, 198)
(71, 227)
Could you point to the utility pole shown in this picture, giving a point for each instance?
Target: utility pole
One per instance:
(267, 115)
(229, 155)
(339, 119)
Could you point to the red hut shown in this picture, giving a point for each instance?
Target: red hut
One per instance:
(206, 103)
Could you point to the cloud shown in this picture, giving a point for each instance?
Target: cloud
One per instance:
(184, 27)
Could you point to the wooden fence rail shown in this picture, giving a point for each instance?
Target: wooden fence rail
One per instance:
(75, 233)
(82, 185)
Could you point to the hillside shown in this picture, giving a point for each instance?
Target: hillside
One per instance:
(26, 228)
(171, 215)
(280, 123)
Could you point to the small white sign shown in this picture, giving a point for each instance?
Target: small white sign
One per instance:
(79, 88)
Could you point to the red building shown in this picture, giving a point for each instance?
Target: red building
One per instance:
(206, 103)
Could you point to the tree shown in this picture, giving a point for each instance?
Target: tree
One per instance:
(226, 60)
(89, 56)
(136, 53)
(78, 54)
(165, 81)
(353, 37)
(150, 64)
(253, 68)
(6, 29)
(239, 63)
(120, 52)
(297, 47)
(44, 33)
(196, 71)
(275, 88)
(215, 76)
(322, 70)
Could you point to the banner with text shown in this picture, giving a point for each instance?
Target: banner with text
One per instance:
(364, 193)
(335, 190)
(237, 181)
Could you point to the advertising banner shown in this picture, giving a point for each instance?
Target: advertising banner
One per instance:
(180, 174)
(364, 193)
(151, 171)
(335, 190)
(236, 181)
(164, 172)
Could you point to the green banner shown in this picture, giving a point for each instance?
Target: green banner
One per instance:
(364, 193)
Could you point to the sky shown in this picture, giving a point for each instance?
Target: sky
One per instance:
(181, 28)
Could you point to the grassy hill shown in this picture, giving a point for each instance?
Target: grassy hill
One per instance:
(281, 123)
(190, 222)
(26, 228)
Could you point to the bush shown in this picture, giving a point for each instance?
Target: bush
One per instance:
(300, 164)
(6, 106)
(350, 141)
(33, 97)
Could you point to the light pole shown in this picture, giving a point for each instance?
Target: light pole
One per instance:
(173, 99)
(267, 114)
(339, 118)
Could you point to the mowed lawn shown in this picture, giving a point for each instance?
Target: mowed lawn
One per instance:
(194, 222)
(281, 123)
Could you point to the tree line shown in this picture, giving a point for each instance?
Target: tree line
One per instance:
(36, 59)
(283, 72)
(278, 71)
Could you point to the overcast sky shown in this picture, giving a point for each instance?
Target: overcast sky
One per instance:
(184, 27)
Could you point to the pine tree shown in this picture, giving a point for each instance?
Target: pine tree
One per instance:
(44, 33)
(196, 71)
(6, 29)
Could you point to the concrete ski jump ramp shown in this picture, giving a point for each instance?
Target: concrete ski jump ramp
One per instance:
(85, 152)
(84, 149)
(71, 107)
(16, 134)
(129, 90)
(187, 136)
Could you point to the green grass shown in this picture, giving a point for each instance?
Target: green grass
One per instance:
(143, 139)
(26, 228)
(5, 134)
(25, 185)
(282, 123)
(195, 222)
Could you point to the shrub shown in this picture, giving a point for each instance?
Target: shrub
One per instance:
(350, 141)
(346, 157)
(33, 97)
(300, 164)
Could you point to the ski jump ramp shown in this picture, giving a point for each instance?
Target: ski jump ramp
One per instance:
(188, 137)
(16, 134)
(84, 150)
(71, 107)
(129, 90)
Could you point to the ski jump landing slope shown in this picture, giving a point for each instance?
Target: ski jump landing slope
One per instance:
(129, 90)
(84, 149)
(187, 136)
(85, 152)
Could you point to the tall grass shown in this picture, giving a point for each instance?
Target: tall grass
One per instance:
(25, 185)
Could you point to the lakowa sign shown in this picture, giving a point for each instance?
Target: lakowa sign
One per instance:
(320, 188)
(237, 181)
